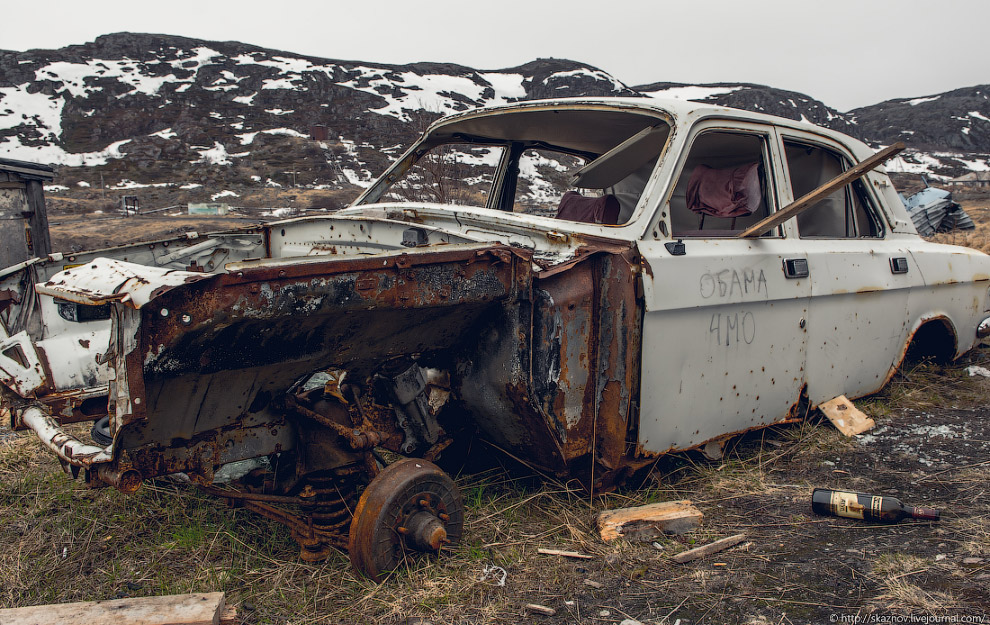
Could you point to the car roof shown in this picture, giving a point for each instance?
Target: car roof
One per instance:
(678, 111)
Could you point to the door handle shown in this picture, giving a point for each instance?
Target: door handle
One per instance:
(898, 264)
(796, 268)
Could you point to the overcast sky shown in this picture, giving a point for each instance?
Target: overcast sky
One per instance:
(847, 53)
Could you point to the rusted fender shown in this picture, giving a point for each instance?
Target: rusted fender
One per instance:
(107, 280)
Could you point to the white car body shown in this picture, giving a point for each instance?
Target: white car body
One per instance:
(607, 344)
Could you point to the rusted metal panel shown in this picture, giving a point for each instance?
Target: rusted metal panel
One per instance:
(108, 280)
(227, 344)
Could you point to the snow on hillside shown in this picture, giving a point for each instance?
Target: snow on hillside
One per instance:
(143, 102)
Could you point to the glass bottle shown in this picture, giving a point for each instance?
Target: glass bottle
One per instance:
(853, 505)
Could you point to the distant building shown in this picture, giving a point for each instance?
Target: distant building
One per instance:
(208, 208)
(319, 132)
(23, 218)
(974, 179)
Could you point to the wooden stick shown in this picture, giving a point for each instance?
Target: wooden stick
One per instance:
(566, 554)
(710, 548)
(540, 609)
(809, 199)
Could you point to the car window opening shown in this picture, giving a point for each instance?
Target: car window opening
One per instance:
(849, 213)
(723, 187)
(549, 173)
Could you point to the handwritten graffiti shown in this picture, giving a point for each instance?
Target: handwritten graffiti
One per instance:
(729, 282)
(733, 328)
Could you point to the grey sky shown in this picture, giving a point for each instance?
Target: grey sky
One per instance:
(847, 53)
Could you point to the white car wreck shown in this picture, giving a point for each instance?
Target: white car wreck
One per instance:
(586, 284)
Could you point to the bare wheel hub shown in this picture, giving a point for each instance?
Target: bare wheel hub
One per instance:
(424, 531)
(412, 506)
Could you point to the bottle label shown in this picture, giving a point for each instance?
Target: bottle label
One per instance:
(876, 504)
(846, 505)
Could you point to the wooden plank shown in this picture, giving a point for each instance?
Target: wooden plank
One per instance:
(649, 521)
(846, 417)
(710, 548)
(565, 554)
(193, 609)
(810, 199)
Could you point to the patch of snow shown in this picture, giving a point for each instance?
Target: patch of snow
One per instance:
(279, 83)
(279, 111)
(596, 74)
(506, 86)
(247, 138)
(979, 116)
(130, 184)
(164, 134)
(246, 99)
(361, 179)
(217, 155)
(55, 188)
(54, 154)
(228, 193)
(83, 184)
(286, 131)
(975, 165)
(37, 110)
(917, 101)
(944, 431)
(913, 162)
(191, 185)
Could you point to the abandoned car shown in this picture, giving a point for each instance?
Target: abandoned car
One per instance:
(586, 284)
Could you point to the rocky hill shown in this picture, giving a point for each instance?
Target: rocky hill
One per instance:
(199, 120)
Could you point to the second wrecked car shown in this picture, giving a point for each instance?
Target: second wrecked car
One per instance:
(588, 284)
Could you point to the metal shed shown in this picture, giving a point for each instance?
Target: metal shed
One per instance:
(23, 218)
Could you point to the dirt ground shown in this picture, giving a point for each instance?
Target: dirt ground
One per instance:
(931, 447)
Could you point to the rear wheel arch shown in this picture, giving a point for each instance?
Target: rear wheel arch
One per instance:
(934, 338)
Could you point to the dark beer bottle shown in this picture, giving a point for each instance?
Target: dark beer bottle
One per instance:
(866, 507)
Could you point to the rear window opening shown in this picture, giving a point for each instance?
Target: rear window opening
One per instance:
(849, 213)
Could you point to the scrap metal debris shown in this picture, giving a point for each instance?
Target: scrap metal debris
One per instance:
(933, 210)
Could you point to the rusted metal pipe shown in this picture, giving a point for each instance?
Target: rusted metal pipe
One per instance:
(359, 440)
(127, 481)
(68, 448)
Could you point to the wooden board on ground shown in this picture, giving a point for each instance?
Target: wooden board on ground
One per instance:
(649, 521)
(846, 417)
(193, 609)
(710, 548)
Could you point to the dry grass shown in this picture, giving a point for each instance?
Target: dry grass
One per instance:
(67, 543)
(978, 239)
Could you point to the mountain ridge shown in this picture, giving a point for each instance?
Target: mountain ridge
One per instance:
(144, 109)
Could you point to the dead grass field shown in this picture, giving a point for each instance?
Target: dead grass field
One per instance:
(67, 543)
(63, 542)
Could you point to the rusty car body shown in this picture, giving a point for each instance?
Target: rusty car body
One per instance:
(454, 296)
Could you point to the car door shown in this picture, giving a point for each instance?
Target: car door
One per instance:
(723, 332)
(860, 275)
